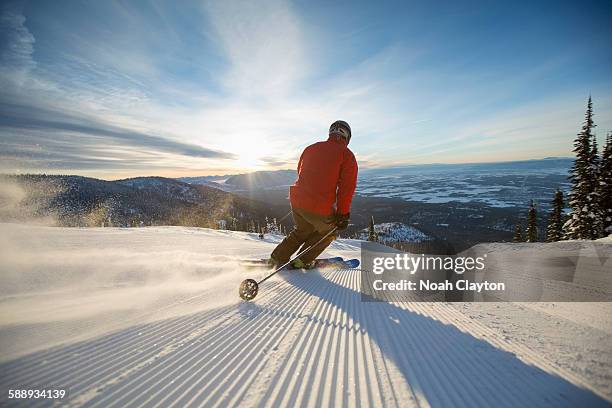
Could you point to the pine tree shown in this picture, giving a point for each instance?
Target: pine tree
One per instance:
(594, 155)
(518, 233)
(605, 185)
(531, 233)
(372, 232)
(554, 231)
(598, 212)
(272, 226)
(585, 217)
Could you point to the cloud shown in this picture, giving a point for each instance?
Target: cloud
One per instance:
(30, 117)
(274, 161)
(263, 43)
(16, 45)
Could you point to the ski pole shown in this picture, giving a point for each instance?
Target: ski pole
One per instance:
(249, 287)
(285, 216)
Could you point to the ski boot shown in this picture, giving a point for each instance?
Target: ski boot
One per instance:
(299, 264)
(273, 263)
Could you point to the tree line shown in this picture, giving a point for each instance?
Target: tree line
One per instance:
(590, 197)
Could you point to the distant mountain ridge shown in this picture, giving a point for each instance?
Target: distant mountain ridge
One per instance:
(249, 181)
(263, 179)
(211, 181)
(273, 179)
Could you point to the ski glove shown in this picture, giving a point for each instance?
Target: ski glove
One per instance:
(342, 221)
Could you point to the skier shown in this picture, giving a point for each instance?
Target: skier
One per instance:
(320, 198)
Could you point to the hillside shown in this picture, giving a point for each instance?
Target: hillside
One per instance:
(390, 232)
(151, 317)
(83, 201)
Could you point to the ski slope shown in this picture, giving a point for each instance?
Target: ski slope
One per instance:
(151, 317)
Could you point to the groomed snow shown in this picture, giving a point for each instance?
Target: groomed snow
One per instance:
(151, 317)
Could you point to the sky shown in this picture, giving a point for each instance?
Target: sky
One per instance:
(116, 89)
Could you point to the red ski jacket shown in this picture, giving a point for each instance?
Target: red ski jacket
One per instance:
(327, 174)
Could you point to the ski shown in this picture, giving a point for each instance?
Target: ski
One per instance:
(333, 262)
(338, 262)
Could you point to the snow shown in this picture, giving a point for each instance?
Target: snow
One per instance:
(395, 232)
(607, 239)
(151, 317)
(501, 185)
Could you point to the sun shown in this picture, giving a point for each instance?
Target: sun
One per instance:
(249, 153)
(254, 153)
(248, 161)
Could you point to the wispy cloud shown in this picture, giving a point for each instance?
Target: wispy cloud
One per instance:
(80, 129)
(263, 43)
(274, 161)
(16, 45)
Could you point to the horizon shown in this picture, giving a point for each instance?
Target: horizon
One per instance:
(289, 169)
(114, 90)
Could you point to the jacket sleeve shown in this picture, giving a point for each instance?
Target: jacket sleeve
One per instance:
(299, 166)
(346, 184)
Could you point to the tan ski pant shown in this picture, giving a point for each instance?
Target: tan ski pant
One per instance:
(309, 228)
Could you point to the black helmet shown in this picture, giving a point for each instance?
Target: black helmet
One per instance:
(342, 129)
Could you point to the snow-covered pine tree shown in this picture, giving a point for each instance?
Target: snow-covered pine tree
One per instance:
(531, 233)
(518, 233)
(598, 212)
(554, 231)
(372, 232)
(585, 216)
(272, 226)
(605, 185)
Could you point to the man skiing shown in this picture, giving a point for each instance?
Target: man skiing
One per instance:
(320, 198)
